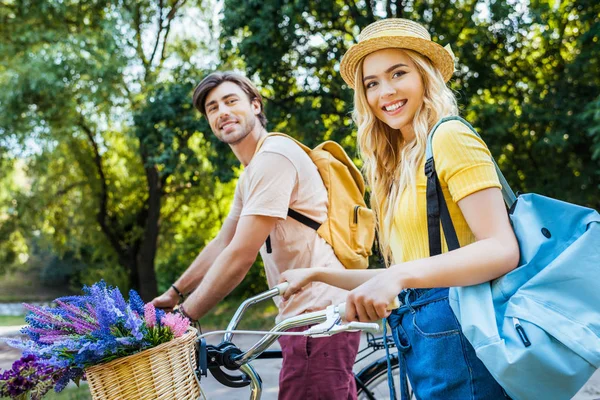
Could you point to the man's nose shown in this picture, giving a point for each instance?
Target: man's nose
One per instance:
(223, 112)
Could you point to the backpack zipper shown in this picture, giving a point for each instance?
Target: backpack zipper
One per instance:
(521, 332)
(356, 214)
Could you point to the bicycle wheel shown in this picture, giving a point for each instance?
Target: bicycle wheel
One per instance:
(374, 379)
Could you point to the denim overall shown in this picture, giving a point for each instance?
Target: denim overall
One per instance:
(439, 361)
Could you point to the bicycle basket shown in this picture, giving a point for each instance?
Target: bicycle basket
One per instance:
(162, 372)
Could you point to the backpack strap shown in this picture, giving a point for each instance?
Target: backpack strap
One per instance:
(507, 192)
(437, 209)
(303, 219)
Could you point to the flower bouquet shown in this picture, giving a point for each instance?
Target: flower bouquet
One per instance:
(125, 350)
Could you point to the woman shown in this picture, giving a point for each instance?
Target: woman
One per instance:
(399, 79)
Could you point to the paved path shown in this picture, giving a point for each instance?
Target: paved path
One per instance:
(267, 369)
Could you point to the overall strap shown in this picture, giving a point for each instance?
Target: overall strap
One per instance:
(391, 384)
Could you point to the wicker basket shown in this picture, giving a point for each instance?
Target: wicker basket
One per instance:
(162, 372)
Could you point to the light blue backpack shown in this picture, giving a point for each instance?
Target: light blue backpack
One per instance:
(537, 329)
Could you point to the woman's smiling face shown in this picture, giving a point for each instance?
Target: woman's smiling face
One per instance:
(394, 88)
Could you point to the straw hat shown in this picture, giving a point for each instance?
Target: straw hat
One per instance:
(396, 33)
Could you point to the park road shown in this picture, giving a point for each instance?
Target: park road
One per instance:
(267, 369)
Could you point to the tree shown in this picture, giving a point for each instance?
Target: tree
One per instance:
(105, 126)
(526, 76)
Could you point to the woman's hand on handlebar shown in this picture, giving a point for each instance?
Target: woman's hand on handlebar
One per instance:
(369, 302)
(297, 279)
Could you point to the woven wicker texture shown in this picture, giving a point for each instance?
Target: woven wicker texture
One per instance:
(395, 33)
(162, 372)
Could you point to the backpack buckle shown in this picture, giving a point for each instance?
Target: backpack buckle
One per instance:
(429, 168)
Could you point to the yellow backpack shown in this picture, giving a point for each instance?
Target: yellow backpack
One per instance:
(350, 224)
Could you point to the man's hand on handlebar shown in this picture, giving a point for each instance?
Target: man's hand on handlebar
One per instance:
(166, 301)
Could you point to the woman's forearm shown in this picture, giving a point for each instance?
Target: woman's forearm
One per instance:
(347, 279)
(478, 262)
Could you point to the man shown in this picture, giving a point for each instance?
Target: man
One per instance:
(279, 176)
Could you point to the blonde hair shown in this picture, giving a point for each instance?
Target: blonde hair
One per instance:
(389, 163)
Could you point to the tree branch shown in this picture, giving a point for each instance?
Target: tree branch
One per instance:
(160, 29)
(370, 11)
(137, 26)
(170, 18)
(102, 214)
(399, 9)
(164, 43)
(68, 188)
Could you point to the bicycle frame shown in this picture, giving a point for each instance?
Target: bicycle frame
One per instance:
(228, 355)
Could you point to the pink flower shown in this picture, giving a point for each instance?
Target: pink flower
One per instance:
(176, 322)
(150, 315)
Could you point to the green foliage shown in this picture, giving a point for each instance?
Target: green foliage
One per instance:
(106, 171)
(527, 76)
(115, 138)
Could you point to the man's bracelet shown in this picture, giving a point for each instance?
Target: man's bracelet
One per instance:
(194, 322)
(181, 297)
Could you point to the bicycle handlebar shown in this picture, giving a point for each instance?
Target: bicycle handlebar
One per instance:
(341, 309)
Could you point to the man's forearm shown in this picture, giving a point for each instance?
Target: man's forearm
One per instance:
(192, 276)
(228, 270)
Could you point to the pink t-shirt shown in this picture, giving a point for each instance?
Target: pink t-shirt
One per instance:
(281, 176)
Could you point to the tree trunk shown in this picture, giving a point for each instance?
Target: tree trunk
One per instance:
(145, 276)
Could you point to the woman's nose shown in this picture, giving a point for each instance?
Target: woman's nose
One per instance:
(387, 89)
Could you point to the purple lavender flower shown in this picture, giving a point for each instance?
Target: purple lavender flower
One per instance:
(159, 315)
(119, 300)
(82, 331)
(135, 302)
(135, 324)
(27, 375)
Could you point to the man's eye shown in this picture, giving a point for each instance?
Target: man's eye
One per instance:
(232, 101)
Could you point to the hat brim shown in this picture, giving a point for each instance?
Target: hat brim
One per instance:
(439, 56)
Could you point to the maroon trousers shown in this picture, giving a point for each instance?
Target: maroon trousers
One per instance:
(318, 368)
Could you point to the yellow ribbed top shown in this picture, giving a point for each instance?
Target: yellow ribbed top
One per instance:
(464, 166)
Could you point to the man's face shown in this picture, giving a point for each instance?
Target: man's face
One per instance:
(231, 115)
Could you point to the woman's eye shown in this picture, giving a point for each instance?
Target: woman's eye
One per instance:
(398, 74)
(371, 84)
(231, 101)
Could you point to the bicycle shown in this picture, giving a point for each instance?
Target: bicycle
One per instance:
(371, 380)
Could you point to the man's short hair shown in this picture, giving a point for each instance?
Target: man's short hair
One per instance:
(215, 79)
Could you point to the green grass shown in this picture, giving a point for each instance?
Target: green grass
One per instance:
(259, 316)
(26, 287)
(11, 320)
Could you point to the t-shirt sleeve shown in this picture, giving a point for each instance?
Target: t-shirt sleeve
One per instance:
(236, 205)
(271, 179)
(462, 160)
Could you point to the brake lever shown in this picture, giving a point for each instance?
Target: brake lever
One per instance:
(332, 325)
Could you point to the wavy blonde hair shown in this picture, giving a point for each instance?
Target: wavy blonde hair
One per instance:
(389, 163)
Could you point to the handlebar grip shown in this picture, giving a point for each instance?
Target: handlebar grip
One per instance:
(282, 287)
(392, 306)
